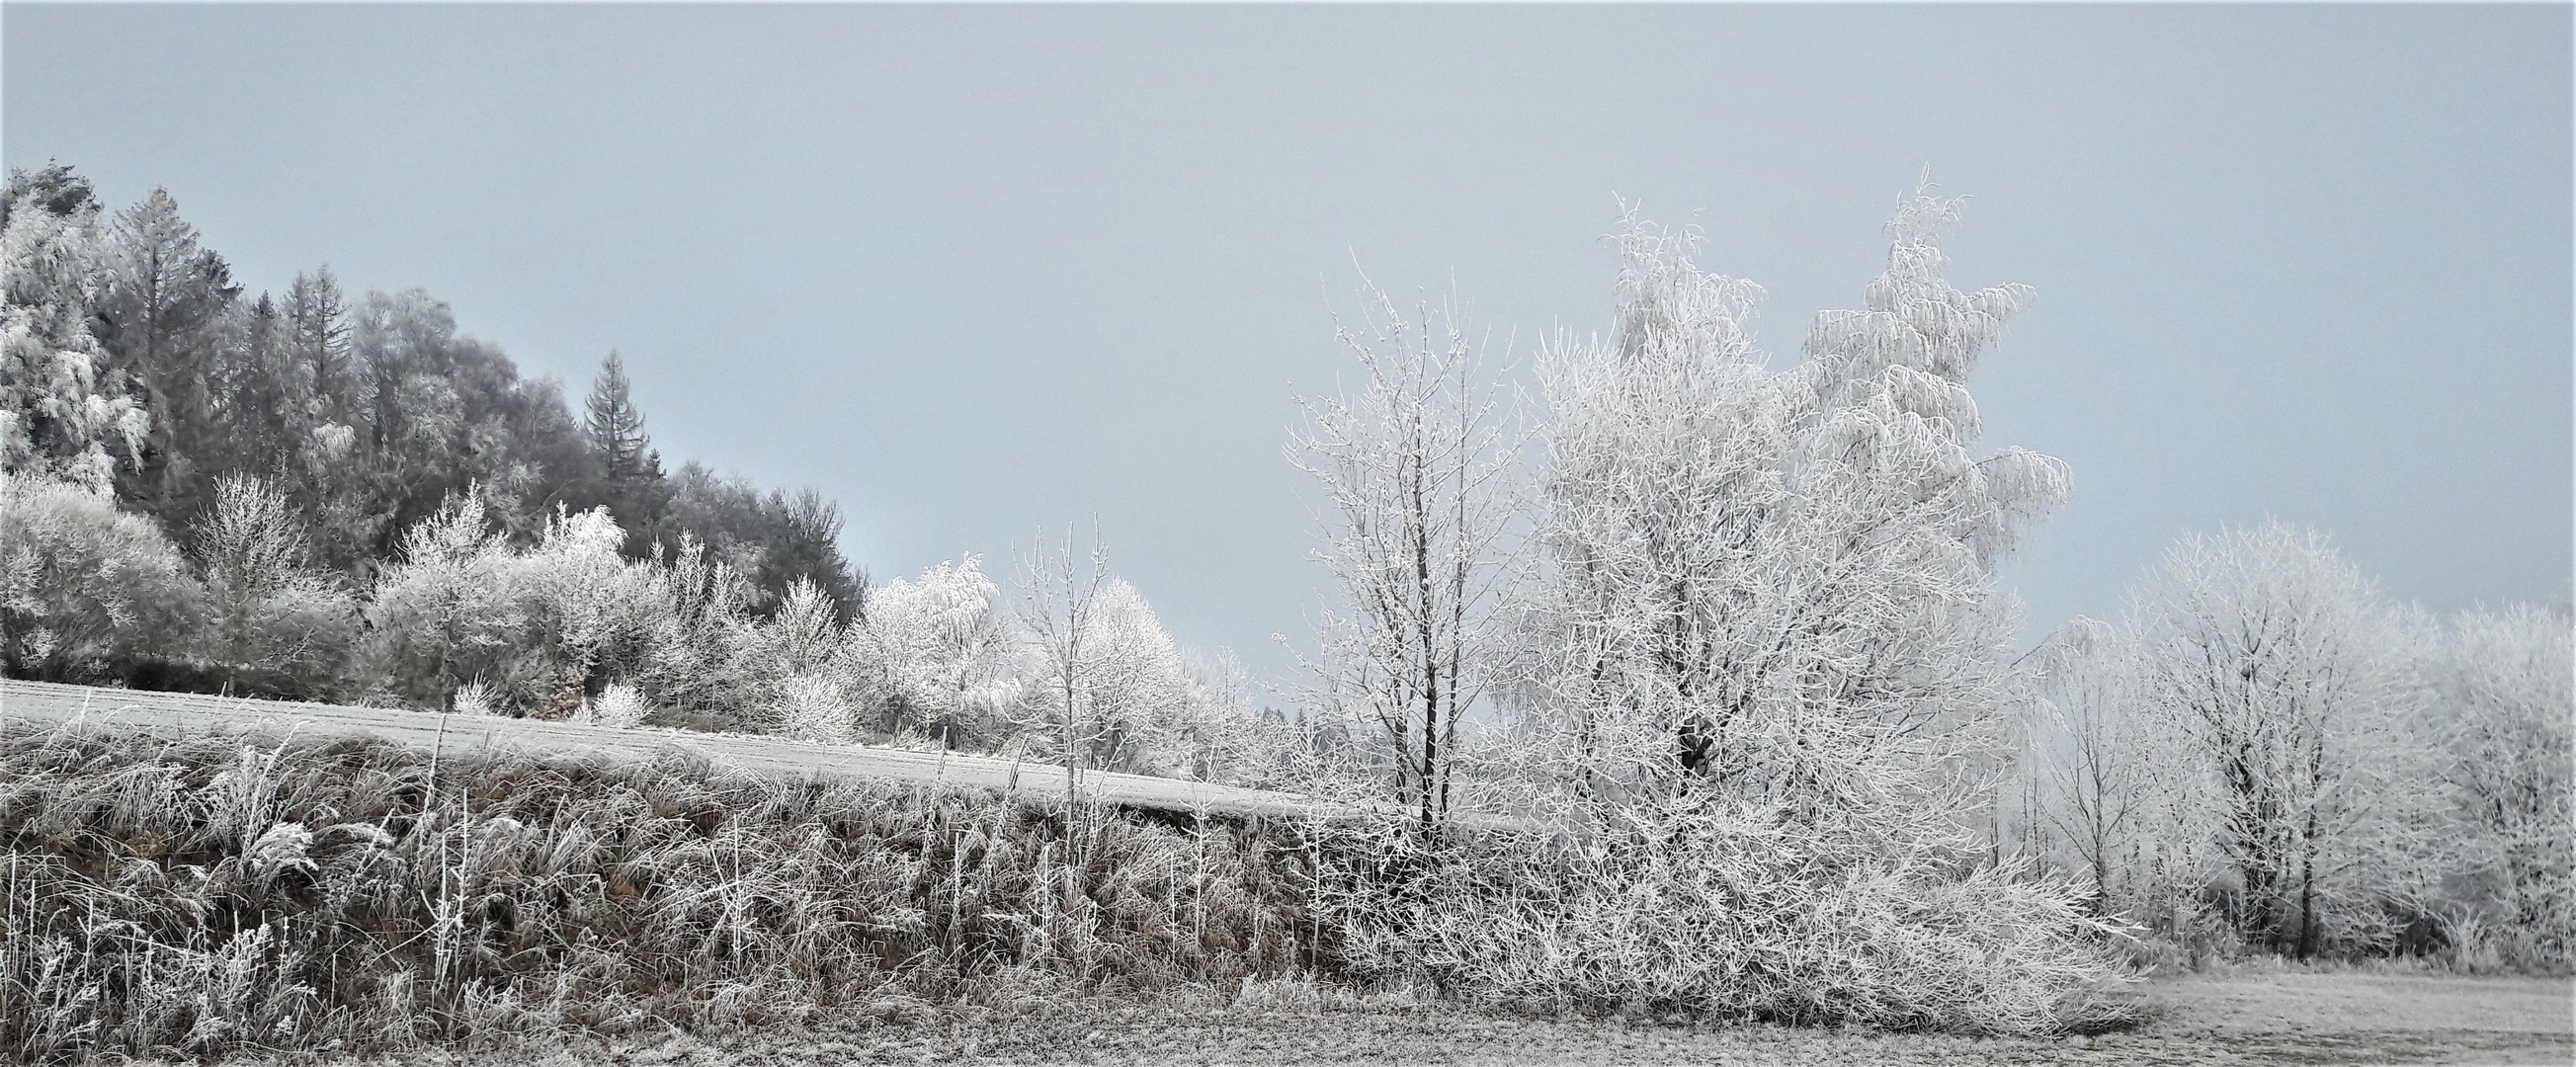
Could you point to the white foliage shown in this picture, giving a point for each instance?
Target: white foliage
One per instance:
(269, 608)
(940, 647)
(82, 583)
(1766, 677)
(590, 604)
(1778, 582)
(474, 698)
(2116, 796)
(812, 707)
(620, 706)
(800, 667)
(2291, 680)
(2503, 708)
(454, 608)
(63, 411)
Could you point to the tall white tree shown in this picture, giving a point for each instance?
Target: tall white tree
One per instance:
(2503, 695)
(1415, 468)
(2290, 676)
(2117, 796)
(1059, 610)
(1139, 687)
(1779, 583)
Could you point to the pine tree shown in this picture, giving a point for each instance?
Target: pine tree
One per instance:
(617, 429)
(317, 321)
(168, 305)
(630, 471)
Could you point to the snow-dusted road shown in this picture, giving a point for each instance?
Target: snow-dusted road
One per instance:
(459, 735)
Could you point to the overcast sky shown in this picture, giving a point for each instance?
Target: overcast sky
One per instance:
(978, 270)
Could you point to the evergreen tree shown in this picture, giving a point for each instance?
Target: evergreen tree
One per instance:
(64, 409)
(318, 327)
(168, 306)
(630, 480)
(617, 429)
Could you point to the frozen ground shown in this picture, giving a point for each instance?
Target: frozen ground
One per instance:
(2246, 1018)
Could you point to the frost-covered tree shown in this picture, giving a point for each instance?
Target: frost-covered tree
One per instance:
(594, 610)
(1059, 611)
(1222, 737)
(273, 621)
(1139, 692)
(67, 410)
(2291, 679)
(2503, 707)
(1779, 584)
(698, 655)
(2115, 794)
(453, 612)
(86, 589)
(1414, 466)
(1771, 677)
(941, 647)
(802, 663)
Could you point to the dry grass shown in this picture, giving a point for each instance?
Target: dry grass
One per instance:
(232, 893)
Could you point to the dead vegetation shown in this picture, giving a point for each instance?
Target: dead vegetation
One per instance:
(230, 893)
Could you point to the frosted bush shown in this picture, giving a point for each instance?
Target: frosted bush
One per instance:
(620, 705)
(1732, 912)
(475, 698)
(811, 708)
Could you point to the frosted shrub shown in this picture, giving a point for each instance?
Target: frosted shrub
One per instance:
(620, 706)
(1733, 912)
(474, 698)
(811, 708)
(455, 608)
(85, 589)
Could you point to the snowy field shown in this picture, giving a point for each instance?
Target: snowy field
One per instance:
(2248, 1017)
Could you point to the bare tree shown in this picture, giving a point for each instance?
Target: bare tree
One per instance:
(1417, 509)
(2503, 713)
(1060, 594)
(2289, 676)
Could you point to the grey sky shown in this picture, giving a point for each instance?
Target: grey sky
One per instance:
(972, 270)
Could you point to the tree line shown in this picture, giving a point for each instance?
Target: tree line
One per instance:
(325, 497)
